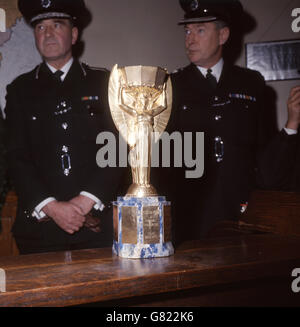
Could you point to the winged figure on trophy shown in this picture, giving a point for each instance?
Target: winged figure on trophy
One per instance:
(141, 111)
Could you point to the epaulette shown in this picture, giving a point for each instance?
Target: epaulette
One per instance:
(99, 68)
(94, 68)
(177, 70)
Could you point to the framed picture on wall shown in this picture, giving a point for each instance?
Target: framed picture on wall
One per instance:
(275, 60)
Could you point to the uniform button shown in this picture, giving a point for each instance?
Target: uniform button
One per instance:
(184, 107)
(218, 117)
(65, 126)
(26, 213)
(217, 138)
(216, 98)
(65, 149)
(33, 118)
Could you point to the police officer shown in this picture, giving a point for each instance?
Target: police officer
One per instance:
(280, 160)
(2, 164)
(54, 114)
(226, 103)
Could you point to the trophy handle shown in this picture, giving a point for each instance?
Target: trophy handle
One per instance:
(122, 119)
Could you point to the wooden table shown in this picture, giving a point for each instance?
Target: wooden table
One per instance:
(240, 270)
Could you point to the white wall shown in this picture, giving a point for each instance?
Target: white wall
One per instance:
(132, 32)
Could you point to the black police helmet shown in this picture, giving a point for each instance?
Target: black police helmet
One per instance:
(199, 11)
(36, 10)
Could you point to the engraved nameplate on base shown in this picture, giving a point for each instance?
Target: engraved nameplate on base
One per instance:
(141, 227)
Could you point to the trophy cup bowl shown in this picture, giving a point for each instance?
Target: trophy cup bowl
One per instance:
(140, 99)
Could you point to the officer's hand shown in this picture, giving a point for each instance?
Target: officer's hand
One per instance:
(66, 215)
(84, 203)
(294, 108)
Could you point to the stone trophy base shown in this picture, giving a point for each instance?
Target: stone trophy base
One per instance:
(142, 227)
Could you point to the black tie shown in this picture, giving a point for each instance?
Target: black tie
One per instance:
(57, 75)
(211, 79)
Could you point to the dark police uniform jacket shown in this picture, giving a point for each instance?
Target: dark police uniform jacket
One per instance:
(52, 130)
(231, 117)
(280, 163)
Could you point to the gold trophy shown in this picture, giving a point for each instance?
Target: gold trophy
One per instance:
(140, 99)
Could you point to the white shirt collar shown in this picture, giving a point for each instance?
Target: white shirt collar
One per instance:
(216, 70)
(65, 69)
